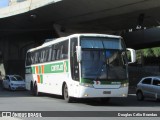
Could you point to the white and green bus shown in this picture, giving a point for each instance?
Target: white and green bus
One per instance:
(79, 66)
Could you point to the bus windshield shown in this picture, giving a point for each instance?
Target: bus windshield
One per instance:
(103, 58)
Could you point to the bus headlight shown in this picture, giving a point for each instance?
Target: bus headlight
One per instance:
(124, 85)
(86, 85)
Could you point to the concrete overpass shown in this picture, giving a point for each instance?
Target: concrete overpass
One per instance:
(79, 16)
(29, 23)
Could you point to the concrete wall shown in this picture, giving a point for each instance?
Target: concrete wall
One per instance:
(14, 51)
(143, 38)
(137, 72)
(23, 7)
(13, 2)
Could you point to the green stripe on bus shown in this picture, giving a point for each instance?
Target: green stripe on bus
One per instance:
(30, 70)
(54, 68)
(59, 67)
(33, 70)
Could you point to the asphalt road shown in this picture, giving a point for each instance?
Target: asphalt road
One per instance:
(23, 101)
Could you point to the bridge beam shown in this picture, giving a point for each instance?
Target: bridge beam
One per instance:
(143, 38)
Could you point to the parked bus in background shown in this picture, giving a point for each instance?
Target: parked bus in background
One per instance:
(80, 66)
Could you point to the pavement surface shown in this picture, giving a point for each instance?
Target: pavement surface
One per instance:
(23, 101)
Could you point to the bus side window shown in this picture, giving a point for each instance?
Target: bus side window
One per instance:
(28, 61)
(61, 50)
(73, 59)
(57, 51)
(49, 54)
(53, 53)
(42, 53)
(64, 50)
(32, 57)
(46, 55)
(36, 57)
(58, 55)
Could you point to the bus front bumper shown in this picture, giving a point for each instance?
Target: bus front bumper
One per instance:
(87, 92)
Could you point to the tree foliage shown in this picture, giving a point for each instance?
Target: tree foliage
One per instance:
(156, 51)
(147, 52)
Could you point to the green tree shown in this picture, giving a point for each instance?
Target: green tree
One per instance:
(139, 55)
(156, 51)
(148, 52)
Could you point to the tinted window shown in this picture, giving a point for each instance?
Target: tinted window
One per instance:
(61, 50)
(49, 54)
(147, 81)
(101, 42)
(54, 53)
(156, 82)
(28, 59)
(73, 59)
(42, 56)
(58, 51)
(36, 57)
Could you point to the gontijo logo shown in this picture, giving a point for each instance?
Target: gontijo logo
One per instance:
(60, 67)
(57, 68)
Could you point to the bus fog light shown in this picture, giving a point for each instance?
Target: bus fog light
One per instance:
(86, 95)
(124, 95)
(86, 85)
(124, 85)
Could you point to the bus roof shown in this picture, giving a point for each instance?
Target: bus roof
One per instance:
(73, 35)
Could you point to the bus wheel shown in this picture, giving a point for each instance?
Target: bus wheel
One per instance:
(35, 90)
(67, 98)
(31, 89)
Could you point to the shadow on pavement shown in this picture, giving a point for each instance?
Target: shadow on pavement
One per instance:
(130, 101)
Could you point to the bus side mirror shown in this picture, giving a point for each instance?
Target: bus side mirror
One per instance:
(79, 55)
(132, 54)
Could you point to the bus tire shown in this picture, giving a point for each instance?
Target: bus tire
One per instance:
(35, 90)
(31, 89)
(67, 98)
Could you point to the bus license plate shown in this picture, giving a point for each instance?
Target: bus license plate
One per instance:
(106, 92)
